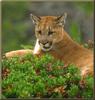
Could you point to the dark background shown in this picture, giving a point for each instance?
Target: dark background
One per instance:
(18, 29)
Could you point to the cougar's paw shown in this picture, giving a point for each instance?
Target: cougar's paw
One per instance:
(17, 53)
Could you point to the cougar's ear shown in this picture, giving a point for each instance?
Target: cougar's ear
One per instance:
(61, 19)
(35, 19)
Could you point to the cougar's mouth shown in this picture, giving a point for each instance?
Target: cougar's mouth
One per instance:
(46, 47)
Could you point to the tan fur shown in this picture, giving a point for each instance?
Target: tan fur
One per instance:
(63, 48)
(18, 53)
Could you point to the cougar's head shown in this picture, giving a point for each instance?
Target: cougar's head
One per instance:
(48, 30)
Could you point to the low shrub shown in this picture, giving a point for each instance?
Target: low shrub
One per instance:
(32, 77)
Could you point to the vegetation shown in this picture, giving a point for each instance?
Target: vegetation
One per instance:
(32, 77)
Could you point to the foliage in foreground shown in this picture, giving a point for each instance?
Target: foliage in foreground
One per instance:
(33, 77)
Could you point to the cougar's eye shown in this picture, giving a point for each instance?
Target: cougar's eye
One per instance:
(50, 33)
(39, 32)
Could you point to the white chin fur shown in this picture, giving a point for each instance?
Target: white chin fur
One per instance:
(46, 49)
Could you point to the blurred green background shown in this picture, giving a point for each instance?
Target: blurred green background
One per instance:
(18, 29)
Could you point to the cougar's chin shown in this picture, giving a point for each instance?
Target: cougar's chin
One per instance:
(46, 47)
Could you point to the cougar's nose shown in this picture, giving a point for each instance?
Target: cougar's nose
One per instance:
(43, 42)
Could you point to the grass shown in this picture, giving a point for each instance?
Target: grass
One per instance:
(32, 77)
